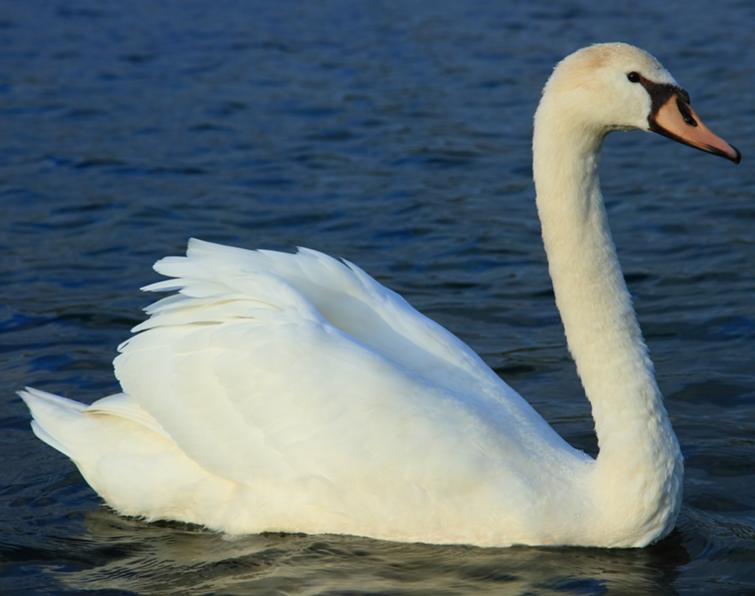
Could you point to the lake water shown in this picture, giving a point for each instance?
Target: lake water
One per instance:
(397, 135)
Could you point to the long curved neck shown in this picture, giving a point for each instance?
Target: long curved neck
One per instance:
(638, 449)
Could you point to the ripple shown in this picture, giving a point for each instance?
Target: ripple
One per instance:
(398, 136)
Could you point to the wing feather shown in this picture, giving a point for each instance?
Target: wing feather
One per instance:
(271, 366)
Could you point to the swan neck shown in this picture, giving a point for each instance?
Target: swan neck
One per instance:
(634, 433)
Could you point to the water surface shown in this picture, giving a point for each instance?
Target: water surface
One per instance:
(396, 135)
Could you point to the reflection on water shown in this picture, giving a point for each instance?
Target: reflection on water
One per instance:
(145, 557)
(396, 135)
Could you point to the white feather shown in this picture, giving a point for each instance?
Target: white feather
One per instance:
(293, 392)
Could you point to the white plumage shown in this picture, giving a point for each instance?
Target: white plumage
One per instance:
(292, 392)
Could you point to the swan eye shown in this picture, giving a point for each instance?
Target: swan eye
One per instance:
(634, 77)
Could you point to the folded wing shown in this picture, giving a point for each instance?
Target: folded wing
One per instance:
(272, 366)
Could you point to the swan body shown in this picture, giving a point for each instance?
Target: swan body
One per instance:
(293, 392)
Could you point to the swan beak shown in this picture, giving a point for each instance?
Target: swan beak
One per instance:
(676, 119)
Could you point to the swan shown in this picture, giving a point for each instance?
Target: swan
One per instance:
(294, 393)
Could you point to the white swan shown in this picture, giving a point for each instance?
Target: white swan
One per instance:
(280, 392)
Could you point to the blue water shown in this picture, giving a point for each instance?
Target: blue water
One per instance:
(395, 134)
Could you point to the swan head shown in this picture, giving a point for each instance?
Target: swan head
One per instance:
(616, 86)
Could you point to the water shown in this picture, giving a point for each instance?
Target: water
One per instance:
(396, 135)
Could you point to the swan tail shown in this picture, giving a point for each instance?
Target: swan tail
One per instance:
(126, 457)
(54, 418)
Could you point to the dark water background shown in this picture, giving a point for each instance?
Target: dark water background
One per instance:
(395, 134)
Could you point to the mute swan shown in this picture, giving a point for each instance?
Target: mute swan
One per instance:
(294, 393)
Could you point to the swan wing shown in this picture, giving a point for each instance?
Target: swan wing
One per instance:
(339, 291)
(277, 366)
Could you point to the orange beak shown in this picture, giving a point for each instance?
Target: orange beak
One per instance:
(676, 119)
